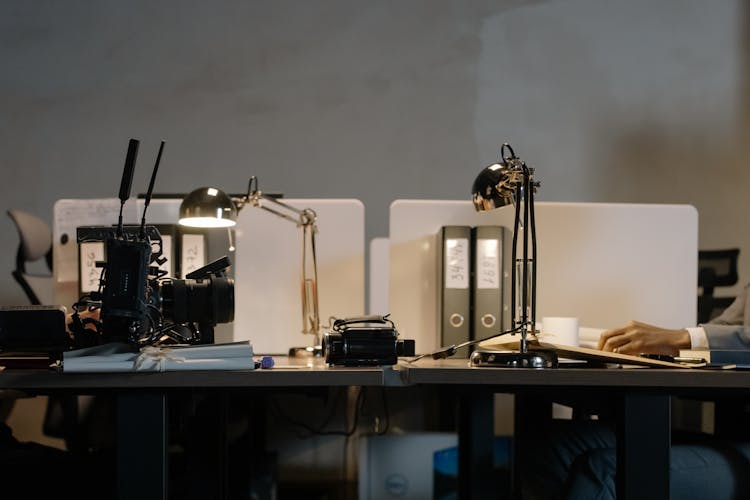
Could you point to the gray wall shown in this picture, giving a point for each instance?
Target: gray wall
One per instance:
(635, 101)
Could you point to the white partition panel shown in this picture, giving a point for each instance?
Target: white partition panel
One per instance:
(69, 214)
(268, 269)
(603, 263)
(378, 276)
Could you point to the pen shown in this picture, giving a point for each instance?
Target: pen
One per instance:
(674, 359)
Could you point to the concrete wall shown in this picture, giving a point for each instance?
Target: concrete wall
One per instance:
(634, 101)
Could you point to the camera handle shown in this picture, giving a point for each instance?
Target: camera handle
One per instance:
(340, 325)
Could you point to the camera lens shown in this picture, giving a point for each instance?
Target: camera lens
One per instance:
(333, 347)
(209, 300)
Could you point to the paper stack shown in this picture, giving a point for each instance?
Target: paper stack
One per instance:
(120, 357)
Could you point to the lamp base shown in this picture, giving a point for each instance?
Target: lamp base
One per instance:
(514, 359)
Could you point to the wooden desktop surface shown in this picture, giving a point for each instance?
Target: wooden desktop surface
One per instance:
(424, 371)
(290, 373)
(457, 371)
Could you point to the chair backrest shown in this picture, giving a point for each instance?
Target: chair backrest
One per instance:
(35, 243)
(716, 268)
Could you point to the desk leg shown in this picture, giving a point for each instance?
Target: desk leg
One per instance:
(206, 448)
(142, 446)
(643, 442)
(475, 442)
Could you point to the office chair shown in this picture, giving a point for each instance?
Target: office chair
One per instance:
(719, 268)
(716, 268)
(61, 416)
(35, 243)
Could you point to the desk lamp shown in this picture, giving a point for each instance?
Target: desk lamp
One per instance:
(211, 207)
(511, 182)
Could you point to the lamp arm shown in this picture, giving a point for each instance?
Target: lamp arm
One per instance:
(532, 229)
(526, 277)
(527, 317)
(256, 198)
(524, 297)
(304, 217)
(514, 259)
(310, 312)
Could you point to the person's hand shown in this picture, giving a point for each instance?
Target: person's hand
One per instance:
(636, 338)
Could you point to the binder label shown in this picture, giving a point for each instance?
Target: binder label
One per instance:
(457, 263)
(90, 252)
(487, 265)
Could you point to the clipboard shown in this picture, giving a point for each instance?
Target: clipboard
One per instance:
(586, 354)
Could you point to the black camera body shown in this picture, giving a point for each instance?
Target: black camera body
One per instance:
(133, 303)
(126, 288)
(138, 304)
(365, 341)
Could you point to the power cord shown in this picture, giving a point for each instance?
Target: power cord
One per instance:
(446, 352)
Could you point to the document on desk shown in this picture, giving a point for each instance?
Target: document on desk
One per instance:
(120, 357)
(589, 337)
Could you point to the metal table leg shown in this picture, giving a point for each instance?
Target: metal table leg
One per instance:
(643, 442)
(142, 446)
(475, 445)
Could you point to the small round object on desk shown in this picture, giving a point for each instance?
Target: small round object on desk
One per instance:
(266, 362)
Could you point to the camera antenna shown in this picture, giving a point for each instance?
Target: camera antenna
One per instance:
(142, 232)
(127, 179)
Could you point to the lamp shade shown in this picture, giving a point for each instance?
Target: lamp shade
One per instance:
(208, 207)
(495, 187)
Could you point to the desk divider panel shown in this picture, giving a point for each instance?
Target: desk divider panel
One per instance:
(268, 271)
(604, 263)
(377, 274)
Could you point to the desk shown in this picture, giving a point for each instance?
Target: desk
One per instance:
(142, 408)
(643, 409)
(643, 413)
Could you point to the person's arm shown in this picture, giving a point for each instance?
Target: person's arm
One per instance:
(727, 336)
(736, 313)
(730, 329)
(727, 331)
(639, 338)
(698, 338)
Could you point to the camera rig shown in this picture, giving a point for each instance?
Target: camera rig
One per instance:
(139, 304)
(365, 341)
(135, 301)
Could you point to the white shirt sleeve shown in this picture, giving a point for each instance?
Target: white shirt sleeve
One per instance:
(698, 338)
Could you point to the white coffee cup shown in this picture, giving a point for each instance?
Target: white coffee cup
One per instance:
(559, 330)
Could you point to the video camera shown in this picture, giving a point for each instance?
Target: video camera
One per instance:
(136, 301)
(365, 341)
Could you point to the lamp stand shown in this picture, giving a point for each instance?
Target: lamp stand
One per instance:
(524, 317)
(211, 207)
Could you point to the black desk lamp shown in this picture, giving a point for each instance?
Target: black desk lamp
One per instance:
(211, 207)
(511, 182)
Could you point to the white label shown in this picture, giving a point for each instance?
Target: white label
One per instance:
(166, 252)
(193, 253)
(90, 252)
(457, 263)
(488, 267)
